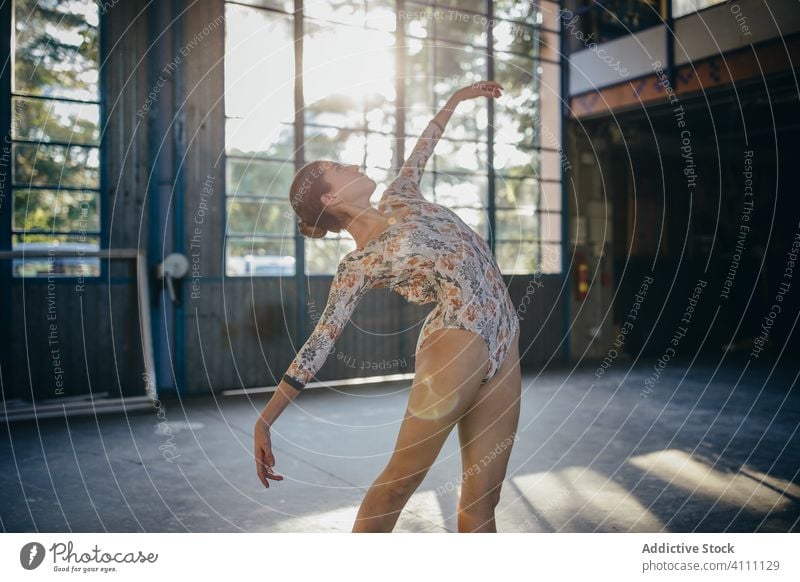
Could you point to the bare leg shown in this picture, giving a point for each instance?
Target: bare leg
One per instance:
(486, 434)
(449, 367)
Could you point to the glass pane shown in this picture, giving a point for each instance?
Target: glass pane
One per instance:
(285, 5)
(474, 5)
(259, 68)
(515, 37)
(254, 218)
(49, 165)
(56, 48)
(517, 110)
(462, 190)
(517, 257)
(323, 254)
(444, 23)
(34, 266)
(418, 20)
(476, 218)
(380, 151)
(44, 120)
(515, 193)
(551, 197)
(514, 162)
(382, 178)
(346, 11)
(456, 67)
(268, 142)
(381, 15)
(458, 156)
(347, 71)
(551, 226)
(682, 7)
(258, 178)
(340, 145)
(551, 258)
(56, 211)
(254, 256)
(516, 10)
(550, 130)
(551, 165)
(520, 223)
(418, 86)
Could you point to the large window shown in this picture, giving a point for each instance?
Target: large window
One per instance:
(55, 135)
(502, 177)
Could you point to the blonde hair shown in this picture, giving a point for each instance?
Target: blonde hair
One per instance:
(308, 185)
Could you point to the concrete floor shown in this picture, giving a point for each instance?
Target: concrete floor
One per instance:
(700, 453)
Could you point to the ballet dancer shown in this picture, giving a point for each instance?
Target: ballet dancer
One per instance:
(467, 355)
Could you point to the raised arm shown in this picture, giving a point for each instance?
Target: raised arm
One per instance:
(349, 285)
(414, 166)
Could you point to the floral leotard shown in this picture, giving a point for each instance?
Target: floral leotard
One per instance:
(429, 255)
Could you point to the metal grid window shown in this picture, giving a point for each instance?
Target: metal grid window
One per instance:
(373, 74)
(55, 135)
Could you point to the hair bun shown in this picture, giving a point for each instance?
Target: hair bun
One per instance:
(310, 230)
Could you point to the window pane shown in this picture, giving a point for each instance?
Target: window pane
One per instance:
(456, 67)
(340, 145)
(48, 165)
(418, 86)
(445, 23)
(381, 15)
(514, 193)
(515, 162)
(340, 85)
(254, 218)
(476, 218)
(286, 5)
(516, 114)
(380, 151)
(259, 67)
(516, 10)
(551, 165)
(520, 223)
(323, 254)
(56, 211)
(382, 178)
(551, 226)
(259, 178)
(459, 156)
(462, 190)
(56, 48)
(44, 120)
(515, 37)
(254, 256)
(346, 11)
(551, 196)
(248, 137)
(551, 257)
(517, 257)
(34, 266)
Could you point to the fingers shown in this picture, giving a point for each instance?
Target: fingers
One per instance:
(264, 463)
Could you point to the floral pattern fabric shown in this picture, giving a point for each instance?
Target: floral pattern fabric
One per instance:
(429, 255)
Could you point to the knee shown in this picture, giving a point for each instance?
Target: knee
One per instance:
(481, 502)
(401, 482)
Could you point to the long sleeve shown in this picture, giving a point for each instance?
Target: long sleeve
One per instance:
(348, 286)
(413, 167)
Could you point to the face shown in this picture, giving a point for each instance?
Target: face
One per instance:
(348, 184)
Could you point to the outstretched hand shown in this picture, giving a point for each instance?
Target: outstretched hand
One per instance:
(480, 89)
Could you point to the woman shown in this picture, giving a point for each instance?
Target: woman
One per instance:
(467, 356)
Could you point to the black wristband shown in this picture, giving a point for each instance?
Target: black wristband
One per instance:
(293, 382)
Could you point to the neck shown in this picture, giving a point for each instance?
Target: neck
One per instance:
(366, 226)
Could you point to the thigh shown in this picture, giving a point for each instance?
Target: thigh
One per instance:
(488, 429)
(448, 369)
